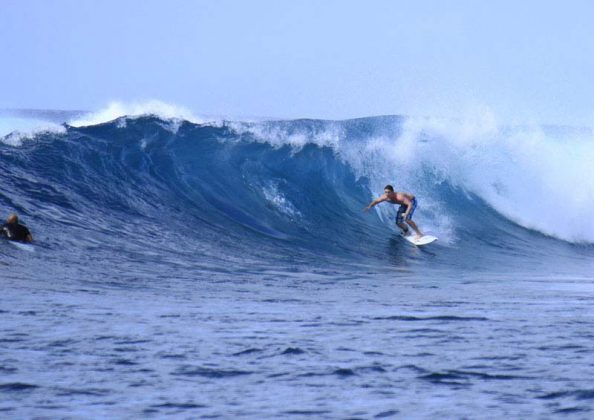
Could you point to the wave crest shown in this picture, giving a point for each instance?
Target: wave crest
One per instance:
(117, 110)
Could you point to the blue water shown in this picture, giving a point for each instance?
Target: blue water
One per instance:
(226, 269)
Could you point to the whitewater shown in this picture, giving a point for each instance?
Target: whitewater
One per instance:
(191, 266)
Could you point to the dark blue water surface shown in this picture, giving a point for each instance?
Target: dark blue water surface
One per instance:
(227, 270)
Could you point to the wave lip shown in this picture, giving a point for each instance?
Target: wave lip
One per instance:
(116, 110)
(19, 125)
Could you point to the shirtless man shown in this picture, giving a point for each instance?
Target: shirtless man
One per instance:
(408, 204)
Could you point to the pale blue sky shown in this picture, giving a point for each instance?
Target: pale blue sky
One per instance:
(523, 60)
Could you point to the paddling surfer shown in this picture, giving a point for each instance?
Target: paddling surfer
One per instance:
(14, 231)
(408, 204)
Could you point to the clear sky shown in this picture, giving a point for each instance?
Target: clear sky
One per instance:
(523, 60)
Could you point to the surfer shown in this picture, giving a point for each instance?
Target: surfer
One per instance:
(408, 204)
(14, 231)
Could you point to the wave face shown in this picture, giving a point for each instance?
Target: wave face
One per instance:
(239, 194)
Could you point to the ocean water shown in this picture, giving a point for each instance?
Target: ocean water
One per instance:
(196, 268)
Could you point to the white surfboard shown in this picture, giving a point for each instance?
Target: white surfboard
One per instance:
(23, 246)
(423, 240)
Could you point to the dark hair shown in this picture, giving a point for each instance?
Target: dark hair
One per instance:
(389, 187)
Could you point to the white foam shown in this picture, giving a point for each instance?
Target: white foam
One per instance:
(277, 135)
(117, 110)
(277, 199)
(14, 131)
(539, 181)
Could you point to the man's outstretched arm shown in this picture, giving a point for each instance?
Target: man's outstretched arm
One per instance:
(375, 202)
